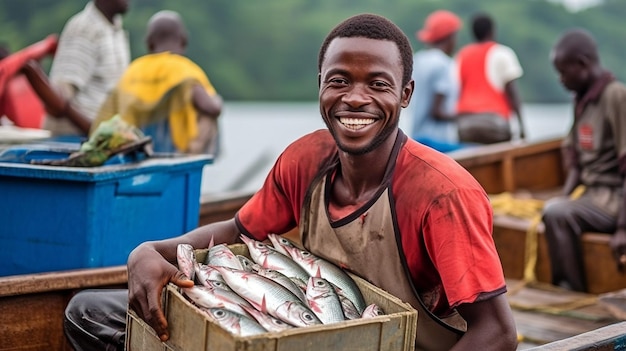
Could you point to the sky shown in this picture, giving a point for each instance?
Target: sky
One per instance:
(576, 5)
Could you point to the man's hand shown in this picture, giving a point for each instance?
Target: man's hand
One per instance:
(618, 247)
(148, 273)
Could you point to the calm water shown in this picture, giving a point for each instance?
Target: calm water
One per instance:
(254, 134)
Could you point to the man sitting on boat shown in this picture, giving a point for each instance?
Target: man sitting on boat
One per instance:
(595, 155)
(166, 94)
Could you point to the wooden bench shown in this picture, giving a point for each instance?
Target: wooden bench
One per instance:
(536, 169)
(600, 268)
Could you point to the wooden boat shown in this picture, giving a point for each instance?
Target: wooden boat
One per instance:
(32, 305)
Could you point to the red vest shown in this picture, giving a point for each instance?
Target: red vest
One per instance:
(20, 103)
(477, 95)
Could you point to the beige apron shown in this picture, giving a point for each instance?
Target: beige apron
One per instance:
(352, 243)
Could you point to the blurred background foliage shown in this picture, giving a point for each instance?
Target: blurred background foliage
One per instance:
(267, 50)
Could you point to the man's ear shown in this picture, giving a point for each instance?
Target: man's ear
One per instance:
(583, 60)
(407, 92)
(319, 80)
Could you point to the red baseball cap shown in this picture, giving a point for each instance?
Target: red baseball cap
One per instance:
(439, 25)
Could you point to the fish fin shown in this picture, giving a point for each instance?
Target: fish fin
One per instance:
(318, 273)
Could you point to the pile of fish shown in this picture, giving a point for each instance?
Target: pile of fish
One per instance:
(280, 286)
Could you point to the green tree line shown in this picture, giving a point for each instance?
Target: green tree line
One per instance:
(267, 49)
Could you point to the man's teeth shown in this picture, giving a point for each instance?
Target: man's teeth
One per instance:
(356, 123)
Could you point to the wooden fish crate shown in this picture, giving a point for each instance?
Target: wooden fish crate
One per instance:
(191, 330)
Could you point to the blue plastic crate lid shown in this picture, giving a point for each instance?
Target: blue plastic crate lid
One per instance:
(15, 161)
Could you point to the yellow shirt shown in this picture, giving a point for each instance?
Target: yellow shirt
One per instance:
(155, 87)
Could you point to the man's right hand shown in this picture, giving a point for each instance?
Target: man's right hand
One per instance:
(148, 274)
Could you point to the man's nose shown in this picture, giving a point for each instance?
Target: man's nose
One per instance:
(357, 96)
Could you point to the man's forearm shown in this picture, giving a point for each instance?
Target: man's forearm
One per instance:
(56, 101)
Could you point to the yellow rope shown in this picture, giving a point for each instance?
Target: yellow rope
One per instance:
(531, 209)
(506, 204)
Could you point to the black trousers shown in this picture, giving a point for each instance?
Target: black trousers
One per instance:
(483, 128)
(95, 320)
(565, 221)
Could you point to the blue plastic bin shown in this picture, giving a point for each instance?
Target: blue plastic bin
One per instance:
(58, 218)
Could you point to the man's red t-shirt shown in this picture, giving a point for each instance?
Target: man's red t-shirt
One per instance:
(444, 217)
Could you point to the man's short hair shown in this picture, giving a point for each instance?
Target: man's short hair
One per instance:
(372, 27)
(482, 26)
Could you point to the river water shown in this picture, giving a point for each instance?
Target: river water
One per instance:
(254, 133)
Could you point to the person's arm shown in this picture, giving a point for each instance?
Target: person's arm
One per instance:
(210, 105)
(438, 110)
(490, 326)
(151, 267)
(572, 181)
(209, 108)
(55, 103)
(618, 240)
(514, 100)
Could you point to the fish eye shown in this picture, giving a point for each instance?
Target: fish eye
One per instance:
(319, 283)
(307, 316)
(219, 313)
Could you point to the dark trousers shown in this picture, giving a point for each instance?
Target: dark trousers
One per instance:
(95, 320)
(483, 128)
(565, 221)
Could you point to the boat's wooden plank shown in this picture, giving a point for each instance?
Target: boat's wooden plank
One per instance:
(542, 314)
(506, 166)
(33, 321)
(615, 302)
(608, 338)
(64, 280)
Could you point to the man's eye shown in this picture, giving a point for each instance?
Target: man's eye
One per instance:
(337, 81)
(380, 84)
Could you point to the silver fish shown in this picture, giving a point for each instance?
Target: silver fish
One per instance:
(247, 264)
(235, 323)
(299, 283)
(267, 257)
(278, 242)
(221, 255)
(372, 310)
(318, 267)
(271, 324)
(212, 297)
(205, 272)
(283, 280)
(323, 301)
(349, 310)
(186, 260)
(270, 297)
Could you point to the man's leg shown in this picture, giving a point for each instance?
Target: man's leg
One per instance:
(565, 220)
(95, 320)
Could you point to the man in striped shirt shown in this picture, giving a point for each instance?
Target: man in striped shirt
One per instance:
(92, 54)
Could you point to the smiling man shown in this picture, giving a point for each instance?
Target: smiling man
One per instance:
(364, 196)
